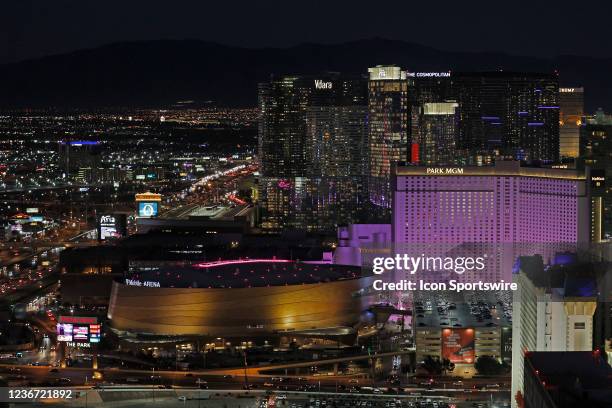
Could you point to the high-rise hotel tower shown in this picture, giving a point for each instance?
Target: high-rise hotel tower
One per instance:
(312, 151)
(516, 210)
(387, 129)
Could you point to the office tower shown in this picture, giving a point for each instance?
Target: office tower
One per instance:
(571, 110)
(509, 114)
(80, 159)
(438, 133)
(513, 115)
(552, 311)
(336, 140)
(387, 129)
(506, 208)
(312, 148)
(431, 91)
(595, 148)
(282, 128)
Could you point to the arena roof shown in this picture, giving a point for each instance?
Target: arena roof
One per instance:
(239, 273)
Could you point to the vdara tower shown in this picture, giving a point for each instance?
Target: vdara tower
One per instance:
(312, 145)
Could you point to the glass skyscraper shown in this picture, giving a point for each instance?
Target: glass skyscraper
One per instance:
(437, 133)
(512, 115)
(387, 129)
(312, 145)
(595, 148)
(571, 110)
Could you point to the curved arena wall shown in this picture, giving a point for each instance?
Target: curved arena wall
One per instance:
(239, 312)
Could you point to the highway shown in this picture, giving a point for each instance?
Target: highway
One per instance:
(46, 375)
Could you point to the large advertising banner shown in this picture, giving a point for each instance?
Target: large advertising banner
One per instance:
(112, 226)
(79, 329)
(148, 209)
(458, 345)
(506, 344)
(64, 331)
(148, 204)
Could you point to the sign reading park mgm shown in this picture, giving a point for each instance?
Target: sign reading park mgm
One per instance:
(434, 171)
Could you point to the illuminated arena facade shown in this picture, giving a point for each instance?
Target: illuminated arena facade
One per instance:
(239, 298)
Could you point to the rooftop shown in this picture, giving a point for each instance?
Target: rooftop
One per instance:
(573, 377)
(239, 273)
(500, 169)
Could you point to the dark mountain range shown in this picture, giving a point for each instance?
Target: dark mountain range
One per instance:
(159, 73)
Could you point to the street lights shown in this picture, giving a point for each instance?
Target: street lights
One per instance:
(246, 380)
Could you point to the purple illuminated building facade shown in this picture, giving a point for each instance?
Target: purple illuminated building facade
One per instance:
(522, 209)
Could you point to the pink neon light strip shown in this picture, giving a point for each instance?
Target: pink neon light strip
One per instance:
(240, 261)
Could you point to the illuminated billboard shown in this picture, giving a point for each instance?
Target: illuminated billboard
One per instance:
(112, 226)
(64, 332)
(148, 204)
(458, 345)
(78, 329)
(148, 197)
(148, 209)
(94, 333)
(80, 333)
(506, 344)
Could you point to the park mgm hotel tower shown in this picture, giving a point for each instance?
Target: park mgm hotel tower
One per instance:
(522, 210)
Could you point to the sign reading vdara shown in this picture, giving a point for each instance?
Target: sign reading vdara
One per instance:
(320, 84)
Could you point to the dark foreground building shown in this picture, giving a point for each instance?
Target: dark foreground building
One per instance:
(566, 380)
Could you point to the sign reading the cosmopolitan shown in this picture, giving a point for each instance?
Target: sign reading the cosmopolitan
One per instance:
(445, 74)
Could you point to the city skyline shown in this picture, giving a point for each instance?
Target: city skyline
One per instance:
(182, 64)
(352, 205)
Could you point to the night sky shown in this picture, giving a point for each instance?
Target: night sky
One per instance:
(536, 27)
